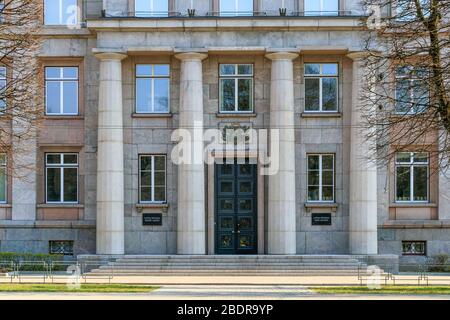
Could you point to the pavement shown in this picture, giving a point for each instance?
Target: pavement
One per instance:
(216, 292)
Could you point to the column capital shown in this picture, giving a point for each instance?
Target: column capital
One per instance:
(110, 56)
(358, 55)
(196, 56)
(282, 55)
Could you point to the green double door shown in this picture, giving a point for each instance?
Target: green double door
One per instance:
(236, 208)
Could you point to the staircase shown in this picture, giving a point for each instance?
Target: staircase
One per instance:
(227, 265)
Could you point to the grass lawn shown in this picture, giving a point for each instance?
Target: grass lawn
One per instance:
(383, 290)
(61, 287)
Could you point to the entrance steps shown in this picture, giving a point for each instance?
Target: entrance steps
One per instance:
(231, 265)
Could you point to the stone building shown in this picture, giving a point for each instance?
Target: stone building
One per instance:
(121, 75)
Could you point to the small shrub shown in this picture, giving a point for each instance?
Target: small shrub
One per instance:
(439, 263)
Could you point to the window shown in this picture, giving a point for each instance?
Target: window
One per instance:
(152, 178)
(152, 88)
(321, 7)
(60, 12)
(406, 10)
(411, 90)
(2, 88)
(61, 177)
(236, 88)
(151, 8)
(3, 177)
(414, 248)
(61, 90)
(321, 87)
(321, 177)
(411, 175)
(61, 247)
(236, 7)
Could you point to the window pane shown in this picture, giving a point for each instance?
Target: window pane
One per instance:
(327, 178)
(70, 159)
(161, 95)
(70, 184)
(329, 94)
(313, 162)
(227, 6)
(227, 69)
(330, 7)
(421, 96)
(420, 157)
(53, 97)
(313, 193)
(160, 194)
(245, 69)
(161, 70)
(146, 163)
(160, 6)
(146, 178)
(2, 159)
(245, 5)
(51, 12)
(143, 95)
(160, 179)
(2, 184)
(142, 7)
(313, 178)
(312, 68)
(327, 162)
(403, 184)
(53, 158)
(69, 12)
(330, 69)
(327, 194)
(312, 7)
(244, 94)
(53, 73)
(227, 89)
(160, 163)
(420, 183)
(312, 94)
(146, 194)
(402, 96)
(70, 73)
(143, 70)
(403, 157)
(70, 98)
(53, 184)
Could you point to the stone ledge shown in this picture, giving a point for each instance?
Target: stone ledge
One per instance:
(62, 117)
(416, 224)
(236, 115)
(151, 115)
(152, 205)
(60, 205)
(321, 115)
(86, 224)
(412, 205)
(5, 205)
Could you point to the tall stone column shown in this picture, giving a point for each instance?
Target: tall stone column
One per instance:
(191, 232)
(110, 176)
(363, 172)
(281, 209)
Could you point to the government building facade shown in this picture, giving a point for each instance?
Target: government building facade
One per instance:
(120, 77)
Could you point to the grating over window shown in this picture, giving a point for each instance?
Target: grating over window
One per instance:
(61, 247)
(414, 248)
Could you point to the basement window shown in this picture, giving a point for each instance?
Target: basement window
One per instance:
(414, 248)
(61, 247)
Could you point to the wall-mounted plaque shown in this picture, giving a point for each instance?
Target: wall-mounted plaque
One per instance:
(152, 219)
(321, 219)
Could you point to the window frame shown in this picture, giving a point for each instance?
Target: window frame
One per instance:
(60, 12)
(411, 87)
(412, 164)
(321, 11)
(4, 165)
(320, 77)
(152, 78)
(320, 200)
(61, 89)
(50, 247)
(152, 184)
(236, 76)
(61, 165)
(152, 13)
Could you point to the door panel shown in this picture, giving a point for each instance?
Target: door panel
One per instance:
(236, 210)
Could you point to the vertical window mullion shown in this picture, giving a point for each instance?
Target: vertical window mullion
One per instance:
(411, 176)
(152, 94)
(320, 178)
(320, 94)
(152, 183)
(60, 12)
(236, 93)
(61, 173)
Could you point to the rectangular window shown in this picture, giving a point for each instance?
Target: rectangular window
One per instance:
(151, 8)
(61, 247)
(236, 7)
(2, 88)
(152, 88)
(321, 87)
(411, 90)
(321, 7)
(411, 177)
(61, 177)
(3, 178)
(321, 177)
(61, 12)
(152, 178)
(61, 90)
(414, 248)
(236, 88)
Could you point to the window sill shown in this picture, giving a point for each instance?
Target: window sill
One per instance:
(63, 117)
(236, 115)
(60, 205)
(152, 205)
(321, 115)
(321, 205)
(416, 224)
(5, 205)
(151, 115)
(413, 205)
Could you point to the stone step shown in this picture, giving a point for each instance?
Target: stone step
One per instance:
(237, 267)
(229, 273)
(234, 263)
(157, 261)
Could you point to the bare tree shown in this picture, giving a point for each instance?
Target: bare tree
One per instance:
(407, 73)
(20, 92)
